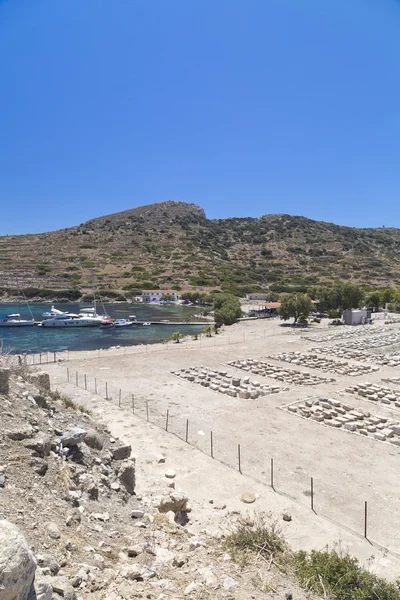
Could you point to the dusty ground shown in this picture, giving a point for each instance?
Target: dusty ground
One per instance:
(347, 469)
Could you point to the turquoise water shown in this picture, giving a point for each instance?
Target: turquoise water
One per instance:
(45, 339)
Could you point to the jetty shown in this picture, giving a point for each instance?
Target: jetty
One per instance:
(175, 323)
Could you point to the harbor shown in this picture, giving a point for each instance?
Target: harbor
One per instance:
(163, 320)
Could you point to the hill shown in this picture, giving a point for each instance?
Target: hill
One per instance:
(173, 244)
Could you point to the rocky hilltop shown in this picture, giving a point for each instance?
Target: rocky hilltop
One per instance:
(172, 244)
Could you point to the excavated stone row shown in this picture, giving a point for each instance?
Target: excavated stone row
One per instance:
(331, 412)
(314, 361)
(375, 393)
(221, 381)
(342, 351)
(292, 376)
(345, 333)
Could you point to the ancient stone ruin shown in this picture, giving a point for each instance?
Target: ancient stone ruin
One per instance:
(221, 381)
(333, 413)
(314, 361)
(376, 393)
(291, 376)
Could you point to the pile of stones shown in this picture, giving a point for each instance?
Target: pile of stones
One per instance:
(333, 413)
(378, 341)
(221, 381)
(375, 393)
(345, 333)
(395, 380)
(292, 376)
(314, 361)
(390, 360)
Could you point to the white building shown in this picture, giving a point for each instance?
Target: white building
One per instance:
(156, 295)
(356, 317)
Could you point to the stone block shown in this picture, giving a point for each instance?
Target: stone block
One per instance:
(4, 381)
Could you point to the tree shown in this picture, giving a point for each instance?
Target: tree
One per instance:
(294, 305)
(176, 337)
(167, 298)
(374, 300)
(208, 331)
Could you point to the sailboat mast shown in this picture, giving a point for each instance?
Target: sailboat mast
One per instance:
(94, 293)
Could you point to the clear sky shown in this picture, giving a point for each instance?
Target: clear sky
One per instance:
(245, 107)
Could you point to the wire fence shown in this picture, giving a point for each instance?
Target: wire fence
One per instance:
(371, 520)
(201, 341)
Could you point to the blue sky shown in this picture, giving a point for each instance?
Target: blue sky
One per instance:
(243, 107)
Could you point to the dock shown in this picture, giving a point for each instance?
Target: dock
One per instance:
(176, 323)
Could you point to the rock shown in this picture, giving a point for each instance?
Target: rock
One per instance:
(137, 514)
(73, 437)
(17, 564)
(175, 502)
(42, 589)
(286, 517)
(5, 380)
(91, 487)
(131, 572)
(40, 379)
(94, 440)
(126, 475)
(62, 586)
(170, 474)
(2, 480)
(48, 562)
(160, 459)
(192, 587)
(53, 531)
(40, 466)
(121, 452)
(248, 498)
(179, 561)
(22, 433)
(40, 446)
(229, 583)
(101, 516)
(73, 518)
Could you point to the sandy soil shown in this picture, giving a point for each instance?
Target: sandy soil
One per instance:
(347, 469)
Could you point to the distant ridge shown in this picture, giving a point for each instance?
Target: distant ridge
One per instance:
(173, 244)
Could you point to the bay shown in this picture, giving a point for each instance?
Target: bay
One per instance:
(35, 339)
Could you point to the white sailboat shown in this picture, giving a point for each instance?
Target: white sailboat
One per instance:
(15, 320)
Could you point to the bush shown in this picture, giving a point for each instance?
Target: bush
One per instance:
(339, 576)
(263, 538)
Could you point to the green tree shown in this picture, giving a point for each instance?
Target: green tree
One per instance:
(295, 305)
(176, 337)
(373, 300)
(208, 331)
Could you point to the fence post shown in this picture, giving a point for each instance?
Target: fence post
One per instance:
(312, 494)
(239, 460)
(40, 358)
(211, 445)
(95, 386)
(106, 391)
(272, 473)
(119, 398)
(365, 519)
(76, 378)
(166, 420)
(54, 354)
(67, 375)
(85, 382)
(187, 431)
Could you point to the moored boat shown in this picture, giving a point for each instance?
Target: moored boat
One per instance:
(15, 320)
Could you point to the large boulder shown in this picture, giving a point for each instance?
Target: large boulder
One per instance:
(17, 564)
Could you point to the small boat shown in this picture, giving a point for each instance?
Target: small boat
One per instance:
(146, 324)
(107, 324)
(165, 321)
(122, 323)
(14, 320)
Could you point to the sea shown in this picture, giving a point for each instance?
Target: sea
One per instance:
(21, 340)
